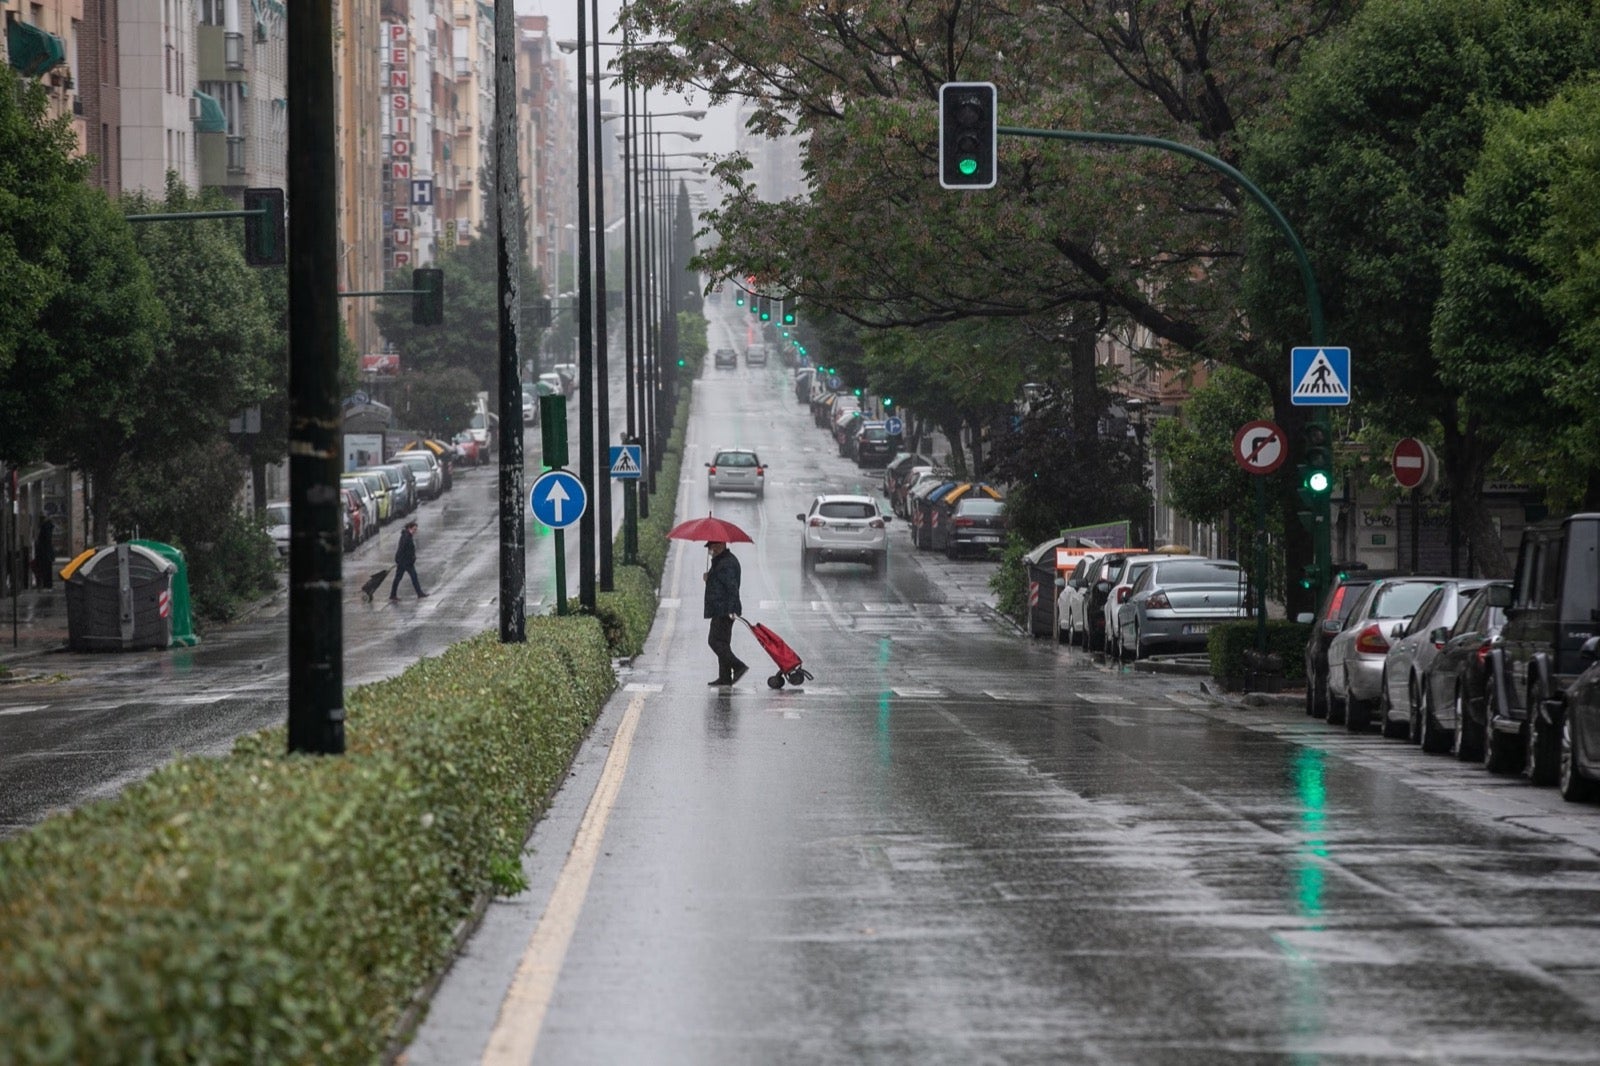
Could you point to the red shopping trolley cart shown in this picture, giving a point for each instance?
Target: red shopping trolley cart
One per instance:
(789, 666)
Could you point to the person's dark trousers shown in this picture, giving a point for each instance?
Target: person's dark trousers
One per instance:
(401, 571)
(721, 641)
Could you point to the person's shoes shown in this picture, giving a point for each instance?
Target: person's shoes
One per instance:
(422, 595)
(738, 672)
(719, 682)
(394, 599)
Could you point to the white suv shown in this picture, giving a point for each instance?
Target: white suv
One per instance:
(844, 527)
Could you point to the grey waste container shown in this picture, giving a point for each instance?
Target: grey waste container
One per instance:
(120, 598)
(1039, 567)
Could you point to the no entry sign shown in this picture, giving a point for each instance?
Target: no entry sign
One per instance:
(1410, 462)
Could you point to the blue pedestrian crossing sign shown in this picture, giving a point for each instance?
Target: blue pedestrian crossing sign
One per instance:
(1319, 377)
(557, 499)
(626, 461)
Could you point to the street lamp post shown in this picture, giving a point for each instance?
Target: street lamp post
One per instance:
(586, 560)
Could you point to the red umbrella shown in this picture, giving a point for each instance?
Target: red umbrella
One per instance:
(709, 529)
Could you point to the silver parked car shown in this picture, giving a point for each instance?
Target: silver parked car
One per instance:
(1405, 668)
(736, 470)
(1355, 656)
(1174, 602)
(428, 471)
(844, 527)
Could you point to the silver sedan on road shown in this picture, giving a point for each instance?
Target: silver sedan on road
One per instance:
(1355, 657)
(1174, 603)
(1405, 668)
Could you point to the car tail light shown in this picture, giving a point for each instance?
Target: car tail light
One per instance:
(1122, 593)
(713, 470)
(816, 523)
(876, 523)
(962, 522)
(1159, 602)
(761, 471)
(1370, 641)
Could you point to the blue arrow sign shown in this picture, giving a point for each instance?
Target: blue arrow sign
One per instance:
(557, 499)
(626, 461)
(894, 427)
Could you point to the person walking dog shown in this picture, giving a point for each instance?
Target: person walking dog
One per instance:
(405, 561)
(722, 607)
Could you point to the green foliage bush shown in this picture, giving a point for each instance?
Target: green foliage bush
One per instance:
(1009, 582)
(1228, 643)
(626, 612)
(267, 908)
(653, 543)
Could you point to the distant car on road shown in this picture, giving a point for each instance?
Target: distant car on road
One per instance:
(1174, 602)
(276, 520)
(1355, 656)
(977, 527)
(755, 355)
(725, 357)
(736, 470)
(844, 527)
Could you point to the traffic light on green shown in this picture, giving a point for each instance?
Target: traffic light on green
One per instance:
(427, 296)
(968, 133)
(766, 309)
(1316, 466)
(738, 298)
(788, 312)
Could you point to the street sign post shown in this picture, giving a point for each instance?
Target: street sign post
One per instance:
(557, 499)
(1319, 376)
(627, 462)
(1259, 447)
(894, 427)
(1409, 461)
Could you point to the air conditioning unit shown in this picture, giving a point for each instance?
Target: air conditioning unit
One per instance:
(194, 109)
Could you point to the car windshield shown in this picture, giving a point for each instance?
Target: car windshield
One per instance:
(875, 433)
(278, 514)
(984, 507)
(1399, 600)
(415, 462)
(847, 509)
(1197, 573)
(736, 459)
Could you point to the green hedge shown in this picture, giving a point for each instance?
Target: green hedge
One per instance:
(265, 908)
(653, 543)
(626, 612)
(1229, 641)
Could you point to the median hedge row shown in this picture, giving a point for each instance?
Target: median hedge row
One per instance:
(1227, 644)
(269, 908)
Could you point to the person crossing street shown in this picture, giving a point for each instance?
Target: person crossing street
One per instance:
(722, 607)
(405, 561)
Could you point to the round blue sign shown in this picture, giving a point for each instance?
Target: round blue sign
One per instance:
(557, 499)
(894, 427)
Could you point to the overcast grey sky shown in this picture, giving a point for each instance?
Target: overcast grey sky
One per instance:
(718, 127)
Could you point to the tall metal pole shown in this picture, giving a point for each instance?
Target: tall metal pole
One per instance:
(602, 396)
(641, 300)
(586, 588)
(652, 314)
(630, 488)
(316, 562)
(508, 250)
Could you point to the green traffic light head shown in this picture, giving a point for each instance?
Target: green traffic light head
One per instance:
(888, 401)
(1318, 481)
(681, 362)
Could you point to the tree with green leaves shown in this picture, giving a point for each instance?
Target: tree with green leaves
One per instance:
(1381, 128)
(1514, 329)
(1206, 484)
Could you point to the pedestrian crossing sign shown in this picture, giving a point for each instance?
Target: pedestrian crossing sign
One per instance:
(626, 460)
(1319, 377)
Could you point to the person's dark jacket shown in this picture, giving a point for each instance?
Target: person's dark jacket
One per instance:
(406, 553)
(722, 586)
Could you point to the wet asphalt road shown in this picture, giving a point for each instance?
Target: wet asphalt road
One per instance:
(93, 723)
(959, 845)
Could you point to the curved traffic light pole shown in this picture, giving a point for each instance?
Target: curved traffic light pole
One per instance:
(1321, 531)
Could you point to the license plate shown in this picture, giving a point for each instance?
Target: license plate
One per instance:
(987, 540)
(1194, 629)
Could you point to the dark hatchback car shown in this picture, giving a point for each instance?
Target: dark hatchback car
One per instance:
(874, 445)
(1454, 684)
(726, 357)
(1329, 623)
(977, 527)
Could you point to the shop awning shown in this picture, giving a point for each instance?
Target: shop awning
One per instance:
(32, 50)
(211, 119)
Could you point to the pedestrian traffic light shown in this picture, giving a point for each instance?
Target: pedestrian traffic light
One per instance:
(968, 135)
(427, 296)
(264, 243)
(766, 309)
(1316, 467)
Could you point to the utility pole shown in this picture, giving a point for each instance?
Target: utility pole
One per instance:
(508, 247)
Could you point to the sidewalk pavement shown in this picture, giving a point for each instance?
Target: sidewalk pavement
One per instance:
(33, 623)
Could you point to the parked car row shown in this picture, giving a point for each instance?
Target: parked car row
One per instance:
(1131, 603)
(1505, 673)
(372, 496)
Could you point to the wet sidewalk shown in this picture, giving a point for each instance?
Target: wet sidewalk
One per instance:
(33, 622)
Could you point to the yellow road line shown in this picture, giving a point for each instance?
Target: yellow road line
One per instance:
(516, 1030)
